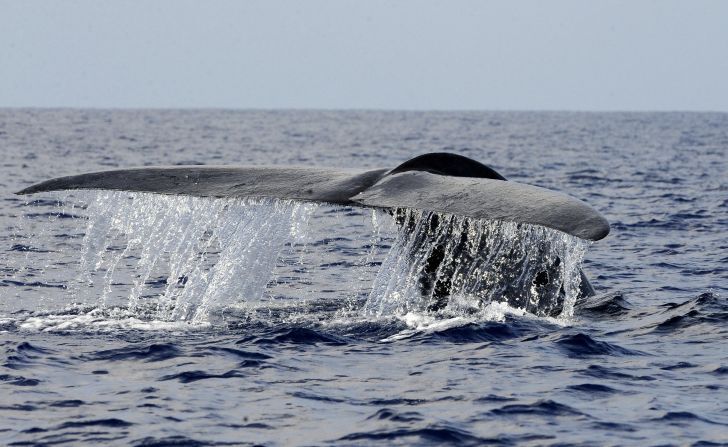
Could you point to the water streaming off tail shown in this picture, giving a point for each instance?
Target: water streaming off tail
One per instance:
(177, 258)
(459, 264)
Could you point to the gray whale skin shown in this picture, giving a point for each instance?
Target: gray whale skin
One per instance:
(438, 182)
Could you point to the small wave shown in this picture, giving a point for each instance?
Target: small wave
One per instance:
(11, 282)
(431, 434)
(538, 408)
(492, 398)
(194, 376)
(593, 389)
(18, 407)
(300, 335)
(582, 345)
(607, 373)
(683, 417)
(678, 365)
(72, 403)
(111, 422)
(151, 353)
(18, 380)
(396, 416)
(29, 349)
(28, 249)
(612, 426)
(608, 304)
(53, 215)
(483, 332)
(317, 397)
(707, 308)
(177, 440)
(477, 326)
(238, 353)
(25, 355)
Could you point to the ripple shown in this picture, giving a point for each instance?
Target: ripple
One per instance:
(66, 403)
(608, 304)
(194, 376)
(683, 417)
(394, 416)
(679, 365)
(238, 353)
(474, 333)
(316, 397)
(432, 434)
(606, 373)
(707, 308)
(53, 215)
(28, 249)
(300, 335)
(593, 388)
(112, 422)
(538, 408)
(11, 282)
(493, 398)
(149, 353)
(170, 441)
(582, 345)
(18, 380)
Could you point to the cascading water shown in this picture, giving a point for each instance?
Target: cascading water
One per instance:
(196, 260)
(532, 268)
(185, 256)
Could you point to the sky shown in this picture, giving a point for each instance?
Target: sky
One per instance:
(366, 54)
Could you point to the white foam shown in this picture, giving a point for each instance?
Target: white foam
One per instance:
(102, 320)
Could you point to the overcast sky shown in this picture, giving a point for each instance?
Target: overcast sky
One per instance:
(491, 55)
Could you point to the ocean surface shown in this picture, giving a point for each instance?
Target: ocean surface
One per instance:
(135, 319)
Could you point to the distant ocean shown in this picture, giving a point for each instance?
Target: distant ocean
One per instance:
(135, 319)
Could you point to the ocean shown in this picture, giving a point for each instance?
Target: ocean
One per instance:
(139, 319)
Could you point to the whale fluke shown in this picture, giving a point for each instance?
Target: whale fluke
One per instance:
(301, 183)
(439, 182)
(486, 199)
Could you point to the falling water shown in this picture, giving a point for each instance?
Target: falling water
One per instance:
(177, 258)
(479, 262)
(185, 256)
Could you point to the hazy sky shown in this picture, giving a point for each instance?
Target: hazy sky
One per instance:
(562, 55)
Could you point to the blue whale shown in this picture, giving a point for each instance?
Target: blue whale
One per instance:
(438, 183)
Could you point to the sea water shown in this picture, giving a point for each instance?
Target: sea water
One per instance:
(130, 318)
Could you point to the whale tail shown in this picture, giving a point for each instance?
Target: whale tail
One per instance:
(438, 182)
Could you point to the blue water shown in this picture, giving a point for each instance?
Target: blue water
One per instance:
(145, 320)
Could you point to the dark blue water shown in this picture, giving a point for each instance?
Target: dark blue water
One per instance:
(142, 320)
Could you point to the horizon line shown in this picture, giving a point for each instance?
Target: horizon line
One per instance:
(356, 109)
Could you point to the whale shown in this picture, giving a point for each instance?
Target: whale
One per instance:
(437, 183)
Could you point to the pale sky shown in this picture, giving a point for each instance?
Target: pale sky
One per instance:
(367, 54)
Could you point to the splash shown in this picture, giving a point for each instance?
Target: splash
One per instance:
(154, 258)
(184, 257)
(459, 264)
